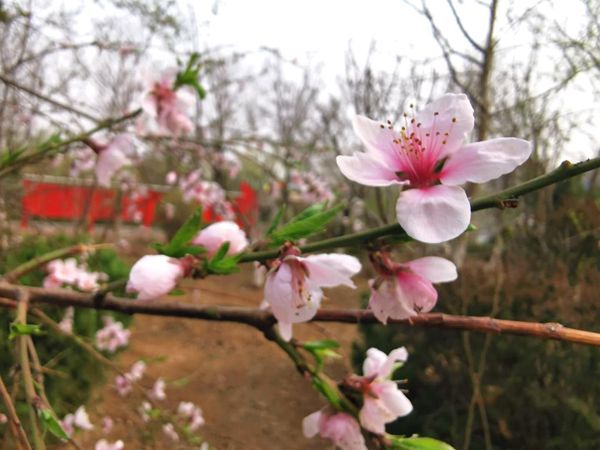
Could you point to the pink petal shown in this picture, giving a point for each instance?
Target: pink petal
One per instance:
(310, 424)
(379, 364)
(434, 214)
(329, 270)
(153, 276)
(371, 417)
(394, 400)
(385, 302)
(215, 235)
(378, 140)
(448, 107)
(483, 161)
(365, 169)
(434, 268)
(416, 292)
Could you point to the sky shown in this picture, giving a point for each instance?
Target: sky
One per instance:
(318, 34)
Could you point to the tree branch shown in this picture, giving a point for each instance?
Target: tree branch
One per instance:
(564, 171)
(263, 320)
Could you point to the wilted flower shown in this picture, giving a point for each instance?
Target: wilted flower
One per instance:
(403, 290)
(154, 275)
(341, 428)
(293, 286)
(429, 159)
(215, 235)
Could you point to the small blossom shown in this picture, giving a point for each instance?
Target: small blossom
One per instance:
(144, 411)
(112, 336)
(3, 419)
(293, 286)
(107, 424)
(112, 157)
(66, 323)
(171, 177)
(383, 402)
(78, 420)
(154, 275)
(170, 432)
(192, 413)
(103, 444)
(124, 383)
(215, 235)
(158, 390)
(403, 290)
(429, 159)
(341, 428)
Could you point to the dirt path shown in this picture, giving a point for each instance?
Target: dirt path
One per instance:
(251, 395)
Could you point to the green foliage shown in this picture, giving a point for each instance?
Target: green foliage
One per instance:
(418, 443)
(220, 263)
(24, 329)
(189, 76)
(179, 246)
(321, 350)
(52, 424)
(74, 371)
(310, 221)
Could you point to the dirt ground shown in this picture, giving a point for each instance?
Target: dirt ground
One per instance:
(250, 393)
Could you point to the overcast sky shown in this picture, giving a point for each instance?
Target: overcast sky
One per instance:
(318, 33)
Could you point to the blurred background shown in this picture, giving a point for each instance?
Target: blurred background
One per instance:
(283, 80)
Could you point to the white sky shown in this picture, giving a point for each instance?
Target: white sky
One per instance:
(318, 33)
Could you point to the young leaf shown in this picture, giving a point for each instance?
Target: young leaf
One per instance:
(309, 212)
(24, 329)
(276, 220)
(52, 424)
(321, 345)
(419, 443)
(310, 223)
(178, 246)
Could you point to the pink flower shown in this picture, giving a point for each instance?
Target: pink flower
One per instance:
(3, 418)
(167, 107)
(66, 324)
(170, 432)
(107, 424)
(430, 160)
(341, 428)
(293, 286)
(154, 275)
(78, 420)
(192, 413)
(383, 402)
(112, 336)
(158, 390)
(111, 157)
(63, 271)
(103, 444)
(403, 290)
(215, 235)
(171, 177)
(124, 383)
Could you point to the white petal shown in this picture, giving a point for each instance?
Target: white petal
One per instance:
(484, 161)
(434, 268)
(434, 214)
(394, 400)
(378, 140)
(285, 330)
(373, 362)
(329, 270)
(397, 355)
(310, 424)
(365, 169)
(371, 417)
(448, 107)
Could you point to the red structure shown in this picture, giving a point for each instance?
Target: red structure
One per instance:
(58, 198)
(61, 199)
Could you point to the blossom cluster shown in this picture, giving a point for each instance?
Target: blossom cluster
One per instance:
(112, 336)
(69, 272)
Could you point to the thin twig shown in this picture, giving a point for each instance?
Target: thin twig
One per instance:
(14, 422)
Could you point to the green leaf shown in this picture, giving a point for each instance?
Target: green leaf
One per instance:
(309, 212)
(419, 443)
(189, 76)
(276, 220)
(52, 424)
(320, 345)
(307, 223)
(24, 329)
(178, 246)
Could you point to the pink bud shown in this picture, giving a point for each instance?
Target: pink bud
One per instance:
(154, 275)
(214, 236)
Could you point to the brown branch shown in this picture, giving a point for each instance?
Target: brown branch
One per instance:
(14, 422)
(262, 320)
